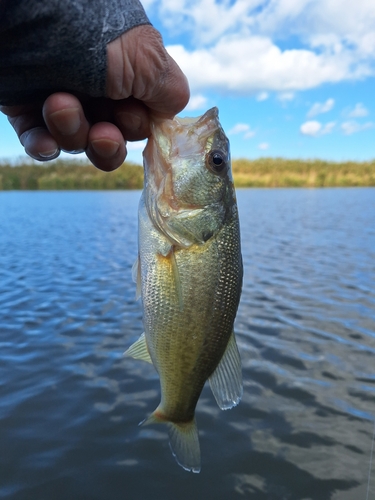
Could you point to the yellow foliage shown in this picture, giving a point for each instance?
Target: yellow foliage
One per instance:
(282, 172)
(262, 172)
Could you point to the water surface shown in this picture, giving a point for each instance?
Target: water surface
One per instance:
(70, 403)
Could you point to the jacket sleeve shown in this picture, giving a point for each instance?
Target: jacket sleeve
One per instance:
(59, 45)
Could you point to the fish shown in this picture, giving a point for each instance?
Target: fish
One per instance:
(189, 274)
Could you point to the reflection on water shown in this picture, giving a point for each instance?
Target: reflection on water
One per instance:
(70, 403)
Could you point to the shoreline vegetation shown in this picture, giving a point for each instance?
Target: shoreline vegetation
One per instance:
(262, 173)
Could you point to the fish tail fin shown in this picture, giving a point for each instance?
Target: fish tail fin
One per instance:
(183, 440)
(184, 443)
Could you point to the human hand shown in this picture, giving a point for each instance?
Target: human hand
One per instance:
(142, 81)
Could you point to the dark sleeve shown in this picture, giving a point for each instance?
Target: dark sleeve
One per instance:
(59, 45)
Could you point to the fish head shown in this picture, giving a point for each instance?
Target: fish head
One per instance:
(189, 192)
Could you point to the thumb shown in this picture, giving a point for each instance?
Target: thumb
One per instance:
(139, 66)
(170, 94)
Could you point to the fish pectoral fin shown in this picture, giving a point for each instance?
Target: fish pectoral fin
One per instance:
(136, 275)
(183, 440)
(139, 350)
(226, 380)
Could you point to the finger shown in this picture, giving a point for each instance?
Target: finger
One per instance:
(169, 95)
(132, 118)
(28, 124)
(139, 66)
(106, 146)
(98, 109)
(66, 121)
(39, 144)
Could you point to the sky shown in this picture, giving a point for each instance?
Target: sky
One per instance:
(291, 78)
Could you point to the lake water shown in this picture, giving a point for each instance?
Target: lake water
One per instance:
(70, 404)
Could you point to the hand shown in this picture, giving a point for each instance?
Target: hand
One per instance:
(142, 80)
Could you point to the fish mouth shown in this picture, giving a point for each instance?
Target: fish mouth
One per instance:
(178, 138)
(159, 194)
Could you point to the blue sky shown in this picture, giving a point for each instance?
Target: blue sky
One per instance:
(291, 78)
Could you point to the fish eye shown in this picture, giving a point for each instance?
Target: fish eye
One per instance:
(216, 161)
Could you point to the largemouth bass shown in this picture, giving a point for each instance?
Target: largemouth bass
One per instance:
(189, 274)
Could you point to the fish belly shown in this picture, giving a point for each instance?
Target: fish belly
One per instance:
(190, 297)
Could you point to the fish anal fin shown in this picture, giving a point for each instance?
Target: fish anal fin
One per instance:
(136, 275)
(139, 350)
(226, 380)
(183, 440)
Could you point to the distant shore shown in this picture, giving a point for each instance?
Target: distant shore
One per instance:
(67, 174)
(283, 172)
(263, 172)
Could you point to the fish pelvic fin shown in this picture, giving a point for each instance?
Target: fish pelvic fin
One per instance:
(136, 275)
(226, 380)
(183, 440)
(139, 350)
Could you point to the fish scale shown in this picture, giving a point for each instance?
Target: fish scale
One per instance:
(189, 274)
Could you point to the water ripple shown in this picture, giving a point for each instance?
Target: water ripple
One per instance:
(70, 403)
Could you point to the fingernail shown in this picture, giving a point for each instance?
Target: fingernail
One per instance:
(105, 147)
(73, 151)
(49, 154)
(66, 121)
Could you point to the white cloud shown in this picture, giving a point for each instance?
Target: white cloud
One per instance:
(240, 128)
(328, 128)
(314, 128)
(197, 101)
(234, 41)
(285, 96)
(351, 127)
(358, 111)
(249, 134)
(136, 146)
(147, 3)
(205, 20)
(321, 107)
(311, 128)
(263, 146)
(249, 64)
(262, 96)
(336, 26)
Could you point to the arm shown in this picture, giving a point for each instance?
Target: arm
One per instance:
(59, 59)
(53, 45)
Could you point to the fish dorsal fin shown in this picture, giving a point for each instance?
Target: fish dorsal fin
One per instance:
(226, 380)
(136, 275)
(139, 350)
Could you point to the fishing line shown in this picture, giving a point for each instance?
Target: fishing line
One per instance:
(370, 465)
